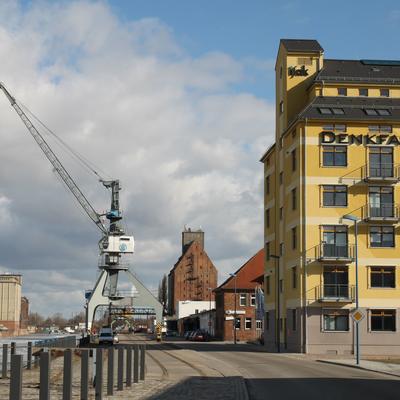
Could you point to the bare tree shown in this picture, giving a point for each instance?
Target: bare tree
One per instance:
(162, 293)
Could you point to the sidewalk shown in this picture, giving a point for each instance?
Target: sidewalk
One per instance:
(376, 366)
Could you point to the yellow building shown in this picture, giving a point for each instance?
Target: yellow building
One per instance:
(10, 302)
(337, 152)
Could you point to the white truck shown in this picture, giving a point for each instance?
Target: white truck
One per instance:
(106, 336)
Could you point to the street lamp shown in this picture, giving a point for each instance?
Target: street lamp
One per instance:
(278, 305)
(234, 315)
(355, 220)
(209, 311)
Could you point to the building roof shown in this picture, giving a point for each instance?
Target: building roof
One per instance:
(246, 274)
(369, 71)
(354, 108)
(302, 45)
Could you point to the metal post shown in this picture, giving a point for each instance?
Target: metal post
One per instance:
(16, 377)
(129, 365)
(234, 318)
(110, 372)
(85, 375)
(99, 375)
(278, 288)
(142, 361)
(357, 302)
(136, 363)
(67, 379)
(29, 357)
(120, 374)
(13, 348)
(4, 363)
(44, 386)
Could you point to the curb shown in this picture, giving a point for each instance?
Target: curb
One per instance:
(358, 367)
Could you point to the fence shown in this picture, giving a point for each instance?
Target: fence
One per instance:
(124, 369)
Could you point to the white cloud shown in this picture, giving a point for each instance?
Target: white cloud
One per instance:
(184, 142)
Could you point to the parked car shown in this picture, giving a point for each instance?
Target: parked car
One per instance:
(200, 336)
(187, 334)
(192, 333)
(107, 336)
(171, 333)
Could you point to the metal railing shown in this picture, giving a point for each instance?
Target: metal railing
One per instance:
(381, 171)
(336, 292)
(383, 211)
(328, 251)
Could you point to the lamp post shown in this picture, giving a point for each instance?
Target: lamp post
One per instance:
(278, 304)
(355, 220)
(234, 315)
(209, 311)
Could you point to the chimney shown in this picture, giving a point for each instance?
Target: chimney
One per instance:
(189, 236)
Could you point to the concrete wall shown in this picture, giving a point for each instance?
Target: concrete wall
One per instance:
(186, 308)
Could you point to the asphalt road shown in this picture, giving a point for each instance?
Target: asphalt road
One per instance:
(280, 376)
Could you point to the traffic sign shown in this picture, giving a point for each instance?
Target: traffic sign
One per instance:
(357, 316)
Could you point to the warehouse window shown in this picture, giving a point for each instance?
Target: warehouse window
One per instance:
(363, 92)
(334, 196)
(267, 218)
(342, 91)
(338, 111)
(384, 92)
(294, 238)
(325, 111)
(383, 320)
(243, 300)
(267, 184)
(370, 111)
(380, 128)
(281, 213)
(383, 277)
(294, 277)
(280, 178)
(268, 284)
(294, 160)
(335, 320)
(247, 323)
(334, 156)
(334, 127)
(381, 236)
(267, 251)
(294, 320)
(294, 199)
(374, 111)
(281, 107)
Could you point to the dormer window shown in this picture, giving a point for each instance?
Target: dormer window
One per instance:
(363, 92)
(384, 92)
(342, 91)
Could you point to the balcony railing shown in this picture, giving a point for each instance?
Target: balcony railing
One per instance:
(385, 212)
(387, 172)
(335, 252)
(336, 292)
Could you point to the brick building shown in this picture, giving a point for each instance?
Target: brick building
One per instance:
(248, 327)
(194, 276)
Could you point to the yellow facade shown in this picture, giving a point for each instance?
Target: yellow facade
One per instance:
(310, 283)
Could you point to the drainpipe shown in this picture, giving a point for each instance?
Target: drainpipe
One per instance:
(304, 199)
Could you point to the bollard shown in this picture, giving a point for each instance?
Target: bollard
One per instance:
(16, 377)
(136, 363)
(120, 373)
(4, 363)
(44, 386)
(13, 348)
(129, 365)
(29, 356)
(110, 372)
(84, 374)
(99, 375)
(142, 360)
(67, 379)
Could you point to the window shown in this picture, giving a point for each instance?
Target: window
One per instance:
(237, 323)
(294, 161)
(268, 284)
(281, 285)
(280, 178)
(280, 72)
(380, 128)
(294, 238)
(336, 320)
(334, 156)
(304, 61)
(281, 249)
(383, 277)
(374, 112)
(267, 251)
(363, 92)
(383, 320)
(381, 236)
(334, 239)
(243, 299)
(267, 320)
(370, 111)
(338, 111)
(267, 218)
(259, 324)
(253, 299)
(281, 213)
(247, 323)
(325, 111)
(281, 107)
(383, 112)
(267, 188)
(294, 320)
(334, 196)
(294, 199)
(384, 92)
(380, 201)
(294, 277)
(334, 127)
(342, 91)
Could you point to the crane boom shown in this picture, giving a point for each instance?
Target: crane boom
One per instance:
(62, 172)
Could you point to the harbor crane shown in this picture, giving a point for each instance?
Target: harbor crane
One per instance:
(113, 243)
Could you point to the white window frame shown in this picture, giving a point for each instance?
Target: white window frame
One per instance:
(246, 320)
(241, 297)
(259, 324)
(252, 299)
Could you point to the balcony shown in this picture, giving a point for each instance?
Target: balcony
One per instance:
(327, 252)
(380, 173)
(338, 293)
(382, 213)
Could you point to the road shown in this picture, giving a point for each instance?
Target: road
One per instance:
(208, 371)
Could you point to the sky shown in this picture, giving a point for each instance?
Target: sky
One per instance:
(174, 98)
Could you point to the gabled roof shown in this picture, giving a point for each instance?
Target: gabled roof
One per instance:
(356, 71)
(183, 254)
(301, 45)
(246, 274)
